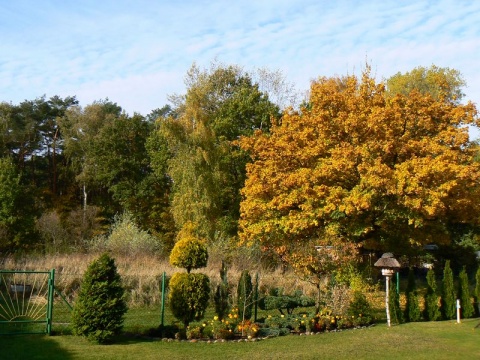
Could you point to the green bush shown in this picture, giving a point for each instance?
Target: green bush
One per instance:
(99, 311)
(188, 296)
(222, 294)
(359, 306)
(127, 239)
(412, 307)
(448, 302)
(277, 301)
(431, 310)
(189, 253)
(464, 295)
(477, 290)
(245, 296)
(396, 313)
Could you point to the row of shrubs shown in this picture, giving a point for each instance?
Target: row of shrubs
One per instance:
(439, 302)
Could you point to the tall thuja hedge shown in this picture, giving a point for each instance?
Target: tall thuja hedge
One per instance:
(431, 310)
(189, 293)
(245, 296)
(448, 303)
(99, 311)
(412, 308)
(464, 295)
(396, 313)
(222, 294)
(477, 290)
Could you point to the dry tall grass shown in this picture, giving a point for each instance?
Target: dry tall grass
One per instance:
(142, 275)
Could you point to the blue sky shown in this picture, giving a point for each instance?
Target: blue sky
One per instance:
(137, 52)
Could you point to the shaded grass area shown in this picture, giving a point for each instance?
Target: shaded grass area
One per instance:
(425, 340)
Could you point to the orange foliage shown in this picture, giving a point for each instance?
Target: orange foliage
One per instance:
(363, 167)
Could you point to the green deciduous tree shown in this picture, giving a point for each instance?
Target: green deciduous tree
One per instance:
(17, 210)
(207, 168)
(443, 84)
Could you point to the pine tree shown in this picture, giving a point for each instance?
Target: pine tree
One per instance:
(412, 308)
(464, 295)
(448, 293)
(432, 310)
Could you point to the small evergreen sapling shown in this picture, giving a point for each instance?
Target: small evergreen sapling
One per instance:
(245, 296)
(464, 295)
(431, 311)
(99, 311)
(477, 290)
(448, 303)
(222, 294)
(396, 314)
(412, 308)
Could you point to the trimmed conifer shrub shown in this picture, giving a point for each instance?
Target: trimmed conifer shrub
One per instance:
(189, 253)
(396, 313)
(99, 311)
(448, 302)
(477, 290)
(245, 296)
(189, 293)
(222, 294)
(432, 310)
(412, 308)
(466, 309)
(188, 296)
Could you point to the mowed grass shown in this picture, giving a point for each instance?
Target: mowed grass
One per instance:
(425, 340)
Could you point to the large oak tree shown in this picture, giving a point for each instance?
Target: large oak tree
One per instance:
(358, 165)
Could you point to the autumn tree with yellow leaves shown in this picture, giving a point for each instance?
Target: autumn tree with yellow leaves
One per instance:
(357, 165)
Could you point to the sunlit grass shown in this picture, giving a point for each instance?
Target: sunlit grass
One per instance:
(425, 340)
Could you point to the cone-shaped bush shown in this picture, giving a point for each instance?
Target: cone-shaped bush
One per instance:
(448, 302)
(477, 290)
(467, 309)
(222, 294)
(99, 311)
(245, 296)
(432, 310)
(396, 313)
(412, 308)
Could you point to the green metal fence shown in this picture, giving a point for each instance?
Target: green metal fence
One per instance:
(26, 301)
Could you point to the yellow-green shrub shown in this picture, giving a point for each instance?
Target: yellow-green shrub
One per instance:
(189, 253)
(188, 296)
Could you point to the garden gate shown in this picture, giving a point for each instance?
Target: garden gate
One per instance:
(26, 301)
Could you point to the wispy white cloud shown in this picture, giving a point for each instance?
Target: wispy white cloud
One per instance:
(136, 53)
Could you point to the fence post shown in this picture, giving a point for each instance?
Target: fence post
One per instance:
(163, 298)
(51, 287)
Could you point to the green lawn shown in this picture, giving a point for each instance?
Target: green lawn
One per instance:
(426, 340)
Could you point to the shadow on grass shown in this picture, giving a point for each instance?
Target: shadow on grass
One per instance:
(36, 347)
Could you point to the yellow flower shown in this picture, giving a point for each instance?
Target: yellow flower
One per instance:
(282, 315)
(304, 315)
(215, 318)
